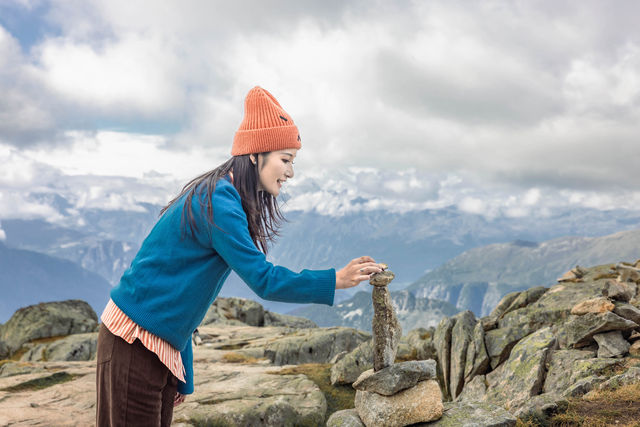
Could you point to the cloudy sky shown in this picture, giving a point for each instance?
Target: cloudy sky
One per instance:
(496, 107)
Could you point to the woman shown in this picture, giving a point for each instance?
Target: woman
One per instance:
(221, 221)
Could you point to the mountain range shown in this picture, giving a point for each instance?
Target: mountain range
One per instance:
(357, 311)
(28, 277)
(104, 241)
(478, 278)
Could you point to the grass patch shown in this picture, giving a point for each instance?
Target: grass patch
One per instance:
(619, 407)
(233, 357)
(338, 396)
(22, 350)
(40, 383)
(15, 357)
(412, 355)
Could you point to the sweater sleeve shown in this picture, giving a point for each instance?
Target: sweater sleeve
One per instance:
(231, 239)
(187, 362)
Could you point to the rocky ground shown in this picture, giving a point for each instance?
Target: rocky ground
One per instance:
(542, 356)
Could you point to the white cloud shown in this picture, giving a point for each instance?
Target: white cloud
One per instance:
(130, 75)
(125, 154)
(493, 107)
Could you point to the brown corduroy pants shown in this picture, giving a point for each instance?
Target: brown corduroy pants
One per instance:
(134, 387)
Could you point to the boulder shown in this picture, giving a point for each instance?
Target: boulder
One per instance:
(503, 305)
(560, 367)
(72, 348)
(46, 320)
(245, 398)
(345, 418)
(473, 414)
(593, 305)
(525, 298)
(634, 349)
(416, 404)
(499, 342)
(474, 390)
(277, 319)
(397, 377)
(551, 309)
(611, 344)
(477, 357)
(234, 311)
(349, 368)
(318, 345)
(522, 375)
(590, 368)
(627, 311)
(581, 329)
(461, 337)
(442, 343)
(618, 291)
(583, 386)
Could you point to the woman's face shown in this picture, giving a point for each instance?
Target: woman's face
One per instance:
(274, 169)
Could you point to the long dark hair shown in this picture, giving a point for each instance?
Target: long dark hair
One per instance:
(263, 214)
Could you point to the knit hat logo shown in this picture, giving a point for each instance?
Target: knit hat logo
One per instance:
(265, 126)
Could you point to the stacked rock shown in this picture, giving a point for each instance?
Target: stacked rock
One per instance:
(394, 394)
(609, 319)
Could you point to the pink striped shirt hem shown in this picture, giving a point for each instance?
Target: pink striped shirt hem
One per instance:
(121, 325)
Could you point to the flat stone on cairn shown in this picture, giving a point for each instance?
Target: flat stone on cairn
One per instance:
(397, 377)
(394, 395)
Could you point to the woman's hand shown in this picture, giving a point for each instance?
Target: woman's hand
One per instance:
(178, 399)
(356, 271)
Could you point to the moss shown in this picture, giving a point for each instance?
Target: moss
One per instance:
(18, 354)
(48, 340)
(233, 357)
(338, 396)
(40, 383)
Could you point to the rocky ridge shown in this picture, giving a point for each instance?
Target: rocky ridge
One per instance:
(541, 346)
(50, 377)
(535, 350)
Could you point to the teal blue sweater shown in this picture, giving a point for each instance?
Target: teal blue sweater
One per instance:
(174, 278)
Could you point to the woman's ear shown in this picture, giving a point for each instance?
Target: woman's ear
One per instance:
(253, 159)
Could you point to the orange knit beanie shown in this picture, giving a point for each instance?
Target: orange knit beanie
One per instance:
(265, 127)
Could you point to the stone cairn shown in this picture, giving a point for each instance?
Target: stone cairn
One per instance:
(394, 394)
